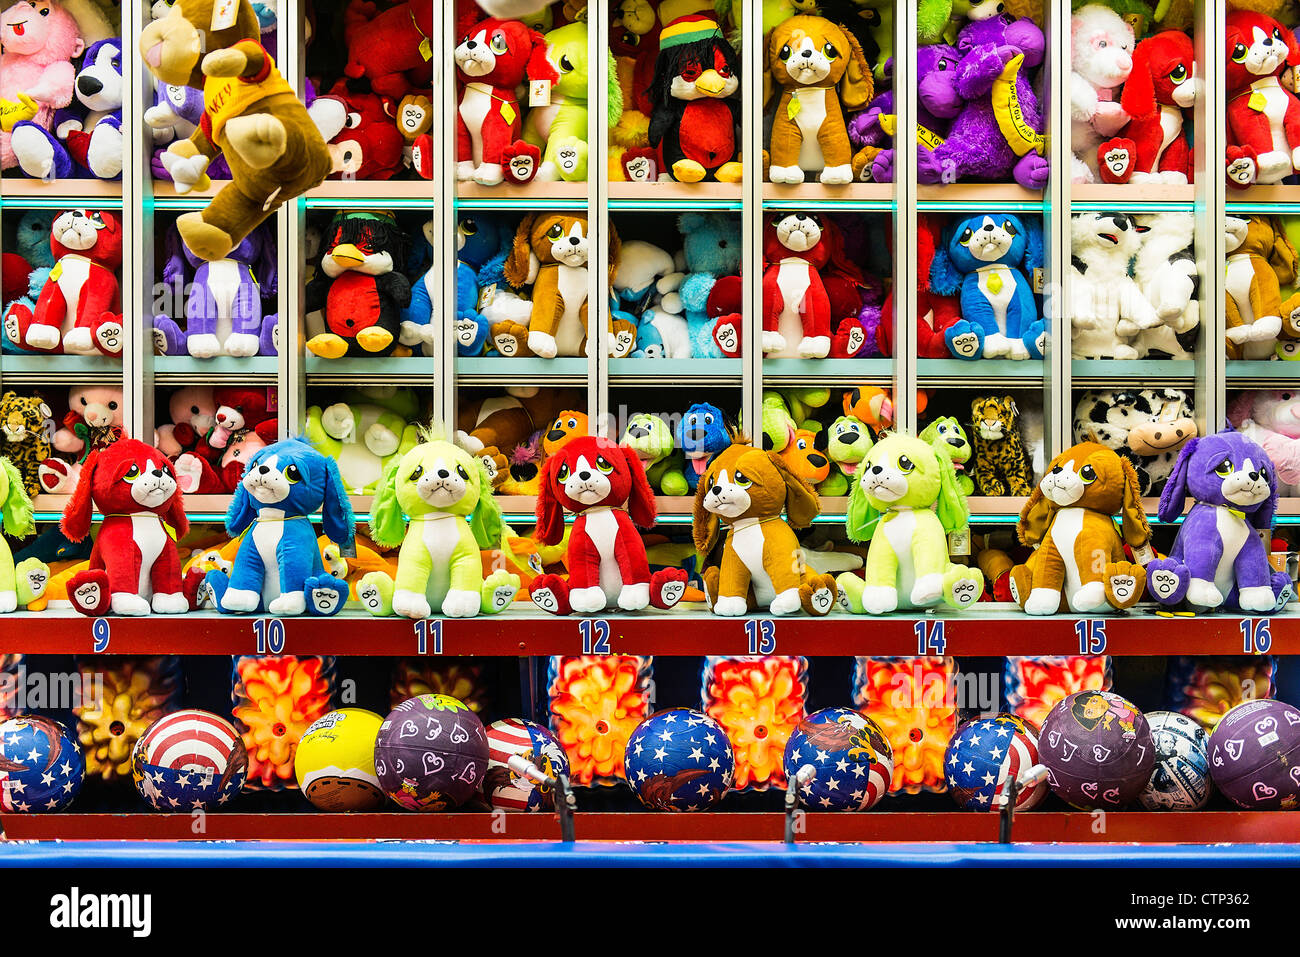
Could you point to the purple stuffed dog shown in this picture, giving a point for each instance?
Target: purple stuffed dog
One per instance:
(1218, 557)
(975, 147)
(223, 300)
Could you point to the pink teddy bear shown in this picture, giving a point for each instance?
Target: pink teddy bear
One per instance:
(1272, 419)
(40, 40)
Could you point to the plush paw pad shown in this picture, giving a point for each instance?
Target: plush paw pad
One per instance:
(1125, 583)
(550, 593)
(375, 592)
(498, 591)
(962, 586)
(88, 592)
(667, 587)
(819, 595)
(1167, 581)
(849, 588)
(325, 594)
(32, 576)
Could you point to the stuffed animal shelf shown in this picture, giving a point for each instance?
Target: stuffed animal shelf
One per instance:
(604, 485)
(800, 252)
(1079, 563)
(24, 583)
(134, 565)
(1158, 96)
(761, 565)
(436, 502)
(695, 123)
(253, 119)
(809, 58)
(278, 567)
(1219, 557)
(906, 502)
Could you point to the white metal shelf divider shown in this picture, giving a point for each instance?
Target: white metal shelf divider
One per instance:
(1210, 142)
(905, 196)
(443, 194)
(751, 217)
(599, 405)
(1058, 404)
(138, 292)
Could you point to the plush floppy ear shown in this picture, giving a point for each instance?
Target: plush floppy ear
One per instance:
(1292, 46)
(516, 268)
(1175, 492)
(1033, 245)
(1263, 517)
(1283, 255)
(615, 245)
(945, 279)
(175, 515)
(79, 511)
(539, 67)
(641, 498)
(241, 512)
(953, 509)
(550, 514)
(1035, 517)
(16, 509)
(1139, 96)
(858, 86)
(268, 274)
(336, 511)
(801, 503)
(704, 524)
(387, 522)
(860, 517)
(485, 521)
(1137, 531)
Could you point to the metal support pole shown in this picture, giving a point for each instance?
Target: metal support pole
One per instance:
(905, 218)
(443, 196)
(290, 229)
(598, 223)
(751, 217)
(1058, 402)
(1211, 194)
(137, 230)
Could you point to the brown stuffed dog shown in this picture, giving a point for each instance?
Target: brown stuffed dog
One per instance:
(1079, 564)
(550, 251)
(1261, 260)
(762, 565)
(808, 57)
(251, 116)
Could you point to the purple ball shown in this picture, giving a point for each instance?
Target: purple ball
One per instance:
(1098, 750)
(1255, 755)
(431, 753)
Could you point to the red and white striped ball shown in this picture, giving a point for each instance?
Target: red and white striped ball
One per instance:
(189, 760)
(509, 791)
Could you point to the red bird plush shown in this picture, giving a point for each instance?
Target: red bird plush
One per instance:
(134, 565)
(604, 484)
(802, 254)
(1263, 115)
(935, 313)
(370, 145)
(78, 310)
(1152, 147)
(492, 60)
(390, 47)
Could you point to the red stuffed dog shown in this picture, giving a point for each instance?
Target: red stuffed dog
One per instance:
(370, 145)
(492, 60)
(78, 310)
(1263, 115)
(134, 565)
(935, 314)
(802, 252)
(605, 486)
(391, 47)
(1152, 147)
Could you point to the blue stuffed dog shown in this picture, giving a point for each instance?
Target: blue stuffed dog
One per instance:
(988, 259)
(1219, 557)
(278, 566)
(701, 434)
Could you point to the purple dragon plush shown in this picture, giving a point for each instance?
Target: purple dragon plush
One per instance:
(1219, 557)
(939, 102)
(223, 300)
(975, 146)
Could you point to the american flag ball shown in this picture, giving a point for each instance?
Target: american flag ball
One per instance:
(851, 758)
(1098, 750)
(41, 768)
(189, 760)
(679, 760)
(1181, 781)
(432, 753)
(507, 790)
(1255, 755)
(985, 755)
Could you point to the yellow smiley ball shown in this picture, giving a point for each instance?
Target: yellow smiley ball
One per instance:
(335, 763)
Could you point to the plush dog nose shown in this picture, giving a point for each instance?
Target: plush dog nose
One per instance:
(877, 469)
(554, 434)
(89, 85)
(574, 240)
(716, 490)
(807, 53)
(471, 44)
(849, 438)
(1056, 470)
(988, 227)
(816, 461)
(443, 473)
(1254, 476)
(264, 469)
(157, 473)
(584, 475)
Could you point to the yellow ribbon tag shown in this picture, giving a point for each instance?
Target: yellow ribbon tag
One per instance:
(888, 123)
(508, 113)
(794, 107)
(426, 49)
(994, 283)
(928, 138)
(1020, 136)
(10, 112)
(1257, 101)
(56, 272)
(171, 532)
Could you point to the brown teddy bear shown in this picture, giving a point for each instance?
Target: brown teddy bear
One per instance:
(251, 116)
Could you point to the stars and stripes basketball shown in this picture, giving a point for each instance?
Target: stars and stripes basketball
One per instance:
(504, 788)
(189, 760)
(987, 753)
(41, 766)
(851, 760)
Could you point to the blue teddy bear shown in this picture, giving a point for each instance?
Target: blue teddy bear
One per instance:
(986, 258)
(701, 434)
(711, 244)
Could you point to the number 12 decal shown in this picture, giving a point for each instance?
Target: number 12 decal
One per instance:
(595, 636)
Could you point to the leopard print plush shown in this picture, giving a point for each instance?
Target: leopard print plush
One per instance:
(1000, 464)
(25, 435)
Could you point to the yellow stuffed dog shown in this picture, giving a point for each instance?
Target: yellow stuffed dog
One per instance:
(762, 565)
